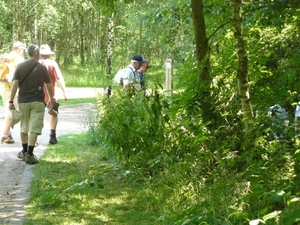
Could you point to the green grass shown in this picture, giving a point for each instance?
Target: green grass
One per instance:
(73, 101)
(75, 183)
(76, 75)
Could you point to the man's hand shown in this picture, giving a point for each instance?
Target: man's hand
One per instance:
(50, 103)
(11, 106)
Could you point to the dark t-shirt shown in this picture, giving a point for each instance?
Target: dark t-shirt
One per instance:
(31, 88)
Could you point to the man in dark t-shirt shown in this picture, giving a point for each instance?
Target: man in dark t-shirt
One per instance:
(30, 77)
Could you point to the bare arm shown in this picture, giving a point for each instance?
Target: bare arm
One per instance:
(50, 94)
(63, 88)
(13, 92)
(60, 81)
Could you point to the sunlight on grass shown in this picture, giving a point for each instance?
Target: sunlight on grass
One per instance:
(91, 75)
(76, 184)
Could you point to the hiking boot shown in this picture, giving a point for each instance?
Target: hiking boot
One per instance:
(31, 159)
(53, 140)
(21, 155)
(7, 140)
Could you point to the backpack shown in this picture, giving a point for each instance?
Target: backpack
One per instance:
(4, 72)
(119, 77)
(7, 64)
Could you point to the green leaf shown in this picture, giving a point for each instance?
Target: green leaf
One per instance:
(256, 222)
(271, 215)
(293, 217)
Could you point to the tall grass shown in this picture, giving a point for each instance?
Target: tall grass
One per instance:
(76, 183)
(94, 75)
(88, 75)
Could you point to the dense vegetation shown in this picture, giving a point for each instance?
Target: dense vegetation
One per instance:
(208, 150)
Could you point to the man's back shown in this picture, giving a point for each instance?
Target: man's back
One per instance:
(31, 83)
(52, 67)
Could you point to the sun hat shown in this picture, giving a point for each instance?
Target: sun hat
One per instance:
(18, 44)
(138, 58)
(16, 117)
(46, 50)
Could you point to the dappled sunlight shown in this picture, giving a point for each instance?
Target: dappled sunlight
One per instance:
(82, 187)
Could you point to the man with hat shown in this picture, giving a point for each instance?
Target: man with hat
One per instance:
(29, 78)
(128, 77)
(56, 78)
(12, 59)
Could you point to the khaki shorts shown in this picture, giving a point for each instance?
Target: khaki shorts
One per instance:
(32, 117)
(5, 89)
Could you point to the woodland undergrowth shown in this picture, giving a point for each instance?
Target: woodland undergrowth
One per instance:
(199, 175)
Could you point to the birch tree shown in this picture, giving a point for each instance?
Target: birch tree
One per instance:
(242, 69)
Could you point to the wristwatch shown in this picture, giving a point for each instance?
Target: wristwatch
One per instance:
(11, 102)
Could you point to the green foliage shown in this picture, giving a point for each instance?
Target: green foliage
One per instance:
(215, 177)
(134, 128)
(76, 186)
(186, 174)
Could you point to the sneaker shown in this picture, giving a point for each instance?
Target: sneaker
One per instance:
(21, 155)
(31, 159)
(53, 140)
(7, 140)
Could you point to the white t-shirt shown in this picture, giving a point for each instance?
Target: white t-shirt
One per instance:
(129, 76)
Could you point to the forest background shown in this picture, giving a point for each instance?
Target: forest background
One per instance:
(210, 145)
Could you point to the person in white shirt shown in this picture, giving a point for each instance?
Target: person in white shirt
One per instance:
(128, 77)
(12, 58)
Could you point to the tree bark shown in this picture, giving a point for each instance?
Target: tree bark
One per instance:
(202, 54)
(110, 40)
(242, 70)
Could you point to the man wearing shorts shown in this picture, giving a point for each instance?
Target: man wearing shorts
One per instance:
(12, 59)
(56, 79)
(30, 77)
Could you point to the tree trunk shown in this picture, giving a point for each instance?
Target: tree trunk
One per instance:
(82, 35)
(242, 70)
(202, 54)
(110, 39)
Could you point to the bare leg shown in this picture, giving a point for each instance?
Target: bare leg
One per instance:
(53, 122)
(24, 138)
(7, 123)
(32, 139)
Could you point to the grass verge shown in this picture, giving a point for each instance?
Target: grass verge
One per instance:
(78, 184)
(74, 101)
(71, 101)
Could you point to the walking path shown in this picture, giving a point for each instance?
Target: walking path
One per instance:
(15, 175)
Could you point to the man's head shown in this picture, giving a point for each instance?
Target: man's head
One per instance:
(18, 47)
(145, 66)
(33, 51)
(137, 61)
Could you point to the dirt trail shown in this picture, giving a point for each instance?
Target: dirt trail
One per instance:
(15, 175)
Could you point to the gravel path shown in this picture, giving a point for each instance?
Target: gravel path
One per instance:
(15, 175)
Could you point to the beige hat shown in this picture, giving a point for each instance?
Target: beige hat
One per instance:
(18, 44)
(46, 50)
(16, 117)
